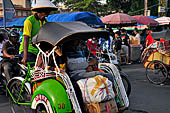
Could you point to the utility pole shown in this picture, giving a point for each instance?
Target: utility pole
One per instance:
(146, 7)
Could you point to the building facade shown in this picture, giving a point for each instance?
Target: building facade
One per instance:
(23, 8)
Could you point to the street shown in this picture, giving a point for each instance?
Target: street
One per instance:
(144, 98)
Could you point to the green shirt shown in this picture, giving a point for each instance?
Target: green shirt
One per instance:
(31, 28)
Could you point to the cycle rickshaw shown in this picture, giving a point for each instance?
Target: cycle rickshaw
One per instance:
(51, 91)
(156, 58)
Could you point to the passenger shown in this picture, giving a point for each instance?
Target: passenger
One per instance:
(78, 67)
(9, 50)
(77, 64)
(31, 27)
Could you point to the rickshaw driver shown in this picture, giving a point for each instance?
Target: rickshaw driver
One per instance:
(32, 24)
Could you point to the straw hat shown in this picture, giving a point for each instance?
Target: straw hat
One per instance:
(43, 4)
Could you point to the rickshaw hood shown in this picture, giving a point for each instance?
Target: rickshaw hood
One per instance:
(58, 32)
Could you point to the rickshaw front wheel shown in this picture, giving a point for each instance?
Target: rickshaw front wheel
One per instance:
(24, 97)
(156, 72)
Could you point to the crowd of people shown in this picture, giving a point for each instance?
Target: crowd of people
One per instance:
(121, 41)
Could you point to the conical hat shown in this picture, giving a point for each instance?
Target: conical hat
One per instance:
(43, 4)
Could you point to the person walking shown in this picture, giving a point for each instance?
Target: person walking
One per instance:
(149, 40)
(117, 46)
(32, 24)
(125, 45)
(137, 36)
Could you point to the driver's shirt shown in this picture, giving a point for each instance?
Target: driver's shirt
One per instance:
(11, 49)
(31, 27)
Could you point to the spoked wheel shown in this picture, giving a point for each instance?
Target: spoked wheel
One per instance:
(156, 72)
(126, 83)
(25, 97)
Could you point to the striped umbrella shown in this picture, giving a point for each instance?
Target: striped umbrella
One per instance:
(163, 20)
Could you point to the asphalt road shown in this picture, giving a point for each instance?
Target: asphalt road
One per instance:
(145, 97)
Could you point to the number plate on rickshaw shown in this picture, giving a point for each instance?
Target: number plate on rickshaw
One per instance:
(40, 74)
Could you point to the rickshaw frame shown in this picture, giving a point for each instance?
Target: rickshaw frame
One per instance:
(44, 93)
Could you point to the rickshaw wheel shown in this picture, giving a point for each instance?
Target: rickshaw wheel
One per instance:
(25, 97)
(126, 83)
(40, 109)
(125, 80)
(156, 72)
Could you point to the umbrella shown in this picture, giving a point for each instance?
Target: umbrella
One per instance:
(118, 19)
(163, 20)
(145, 20)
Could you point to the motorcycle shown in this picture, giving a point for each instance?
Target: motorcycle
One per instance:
(15, 62)
(46, 90)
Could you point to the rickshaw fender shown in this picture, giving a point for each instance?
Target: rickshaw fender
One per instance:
(53, 95)
(27, 84)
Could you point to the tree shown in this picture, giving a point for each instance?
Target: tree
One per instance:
(131, 7)
(84, 5)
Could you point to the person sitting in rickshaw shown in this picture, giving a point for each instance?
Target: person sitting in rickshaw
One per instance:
(78, 67)
(75, 56)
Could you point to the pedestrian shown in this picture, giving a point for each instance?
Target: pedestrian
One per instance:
(32, 24)
(117, 45)
(3, 39)
(92, 45)
(137, 36)
(149, 40)
(20, 35)
(144, 34)
(125, 45)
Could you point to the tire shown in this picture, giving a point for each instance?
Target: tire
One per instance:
(14, 89)
(126, 83)
(118, 67)
(40, 109)
(3, 83)
(156, 72)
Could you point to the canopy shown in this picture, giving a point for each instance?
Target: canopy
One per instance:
(163, 34)
(145, 20)
(163, 20)
(118, 19)
(16, 22)
(153, 17)
(86, 17)
(59, 32)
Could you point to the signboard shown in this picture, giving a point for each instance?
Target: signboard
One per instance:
(162, 7)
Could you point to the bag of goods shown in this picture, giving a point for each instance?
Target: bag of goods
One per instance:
(96, 89)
